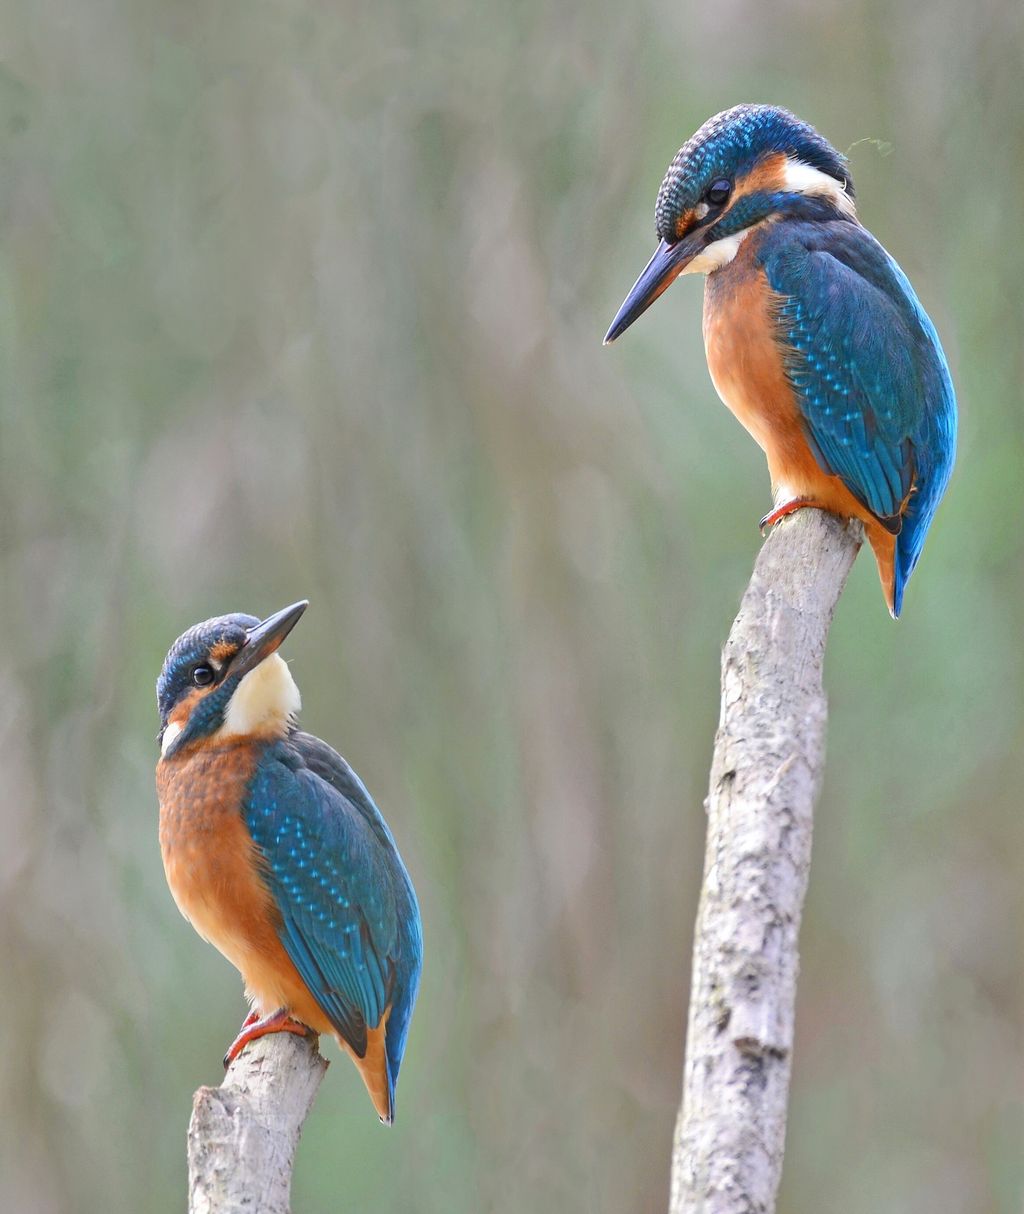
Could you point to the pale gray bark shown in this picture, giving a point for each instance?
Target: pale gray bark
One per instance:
(765, 775)
(243, 1135)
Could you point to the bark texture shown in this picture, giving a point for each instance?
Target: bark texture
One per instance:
(765, 775)
(242, 1135)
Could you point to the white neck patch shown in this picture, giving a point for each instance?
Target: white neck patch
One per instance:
(265, 702)
(171, 732)
(800, 178)
(717, 254)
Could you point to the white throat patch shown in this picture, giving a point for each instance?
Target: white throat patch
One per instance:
(170, 736)
(265, 702)
(717, 254)
(800, 178)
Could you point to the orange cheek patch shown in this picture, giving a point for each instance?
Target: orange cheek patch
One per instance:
(684, 223)
(183, 709)
(769, 176)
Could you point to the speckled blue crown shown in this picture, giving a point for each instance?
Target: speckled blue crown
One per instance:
(729, 144)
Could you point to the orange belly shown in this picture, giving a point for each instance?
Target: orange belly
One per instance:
(748, 374)
(213, 870)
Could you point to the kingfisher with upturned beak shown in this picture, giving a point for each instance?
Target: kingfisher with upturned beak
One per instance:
(814, 336)
(275, 852)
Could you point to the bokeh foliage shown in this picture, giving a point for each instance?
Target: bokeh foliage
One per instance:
(306, 300)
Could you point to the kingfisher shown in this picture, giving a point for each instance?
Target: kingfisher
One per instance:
(813, 334)
(277, 855)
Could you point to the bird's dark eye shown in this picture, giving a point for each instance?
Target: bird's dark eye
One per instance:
(203, 675)
(718, 192)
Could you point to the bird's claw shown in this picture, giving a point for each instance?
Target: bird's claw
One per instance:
(781, 512)
(253, 1027)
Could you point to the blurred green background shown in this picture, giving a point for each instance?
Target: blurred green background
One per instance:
(307, 300)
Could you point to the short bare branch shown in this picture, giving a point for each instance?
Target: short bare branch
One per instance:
(243, 1135)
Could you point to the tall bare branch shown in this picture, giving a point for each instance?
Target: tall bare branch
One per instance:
(765, 776)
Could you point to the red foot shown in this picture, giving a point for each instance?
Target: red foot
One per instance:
(780, 512)
(253, 1027)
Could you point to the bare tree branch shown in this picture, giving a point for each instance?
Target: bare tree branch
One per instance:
(243, 1135)
(765, 775)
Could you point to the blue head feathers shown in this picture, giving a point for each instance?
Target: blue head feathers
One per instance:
(729, 145)
(193, 651)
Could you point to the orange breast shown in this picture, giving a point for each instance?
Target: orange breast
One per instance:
(212, 865)
(213, 870)
(746, 368)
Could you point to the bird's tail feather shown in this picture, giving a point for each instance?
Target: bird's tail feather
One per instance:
(373, 1067)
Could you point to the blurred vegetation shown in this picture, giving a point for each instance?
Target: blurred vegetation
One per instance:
(307, 300)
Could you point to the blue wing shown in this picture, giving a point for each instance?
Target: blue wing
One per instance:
(349, 918)
(869, 375)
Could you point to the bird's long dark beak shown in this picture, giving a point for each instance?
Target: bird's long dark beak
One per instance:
(266, 638)
(668, 262)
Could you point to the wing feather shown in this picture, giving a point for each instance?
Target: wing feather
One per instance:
(332, 884)
(852, 364)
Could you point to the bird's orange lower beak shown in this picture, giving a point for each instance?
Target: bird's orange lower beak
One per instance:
(266, 638)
